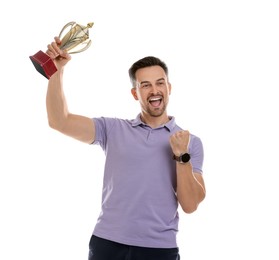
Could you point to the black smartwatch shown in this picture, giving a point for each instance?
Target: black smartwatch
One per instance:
(183, 158)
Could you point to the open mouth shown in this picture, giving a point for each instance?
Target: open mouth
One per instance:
(155, 101)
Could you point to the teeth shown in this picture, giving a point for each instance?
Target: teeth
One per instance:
(154, 99)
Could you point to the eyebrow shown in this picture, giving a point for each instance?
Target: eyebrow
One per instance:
(146, 81)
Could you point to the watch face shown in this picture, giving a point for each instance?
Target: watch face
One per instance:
(185, 157)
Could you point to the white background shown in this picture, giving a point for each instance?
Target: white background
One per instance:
(223, 59)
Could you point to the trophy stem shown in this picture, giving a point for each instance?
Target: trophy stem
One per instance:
(43, 64)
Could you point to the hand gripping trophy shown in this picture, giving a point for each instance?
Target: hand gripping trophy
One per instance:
(74, 41)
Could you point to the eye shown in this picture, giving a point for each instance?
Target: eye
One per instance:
(145, 86)
(161, 83)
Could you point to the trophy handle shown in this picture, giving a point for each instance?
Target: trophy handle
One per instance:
(72, 24)
(83, 49)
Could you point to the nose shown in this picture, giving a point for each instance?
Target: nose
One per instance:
(154, 89)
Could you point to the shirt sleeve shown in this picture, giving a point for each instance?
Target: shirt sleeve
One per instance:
(197, 154)
(102, 127)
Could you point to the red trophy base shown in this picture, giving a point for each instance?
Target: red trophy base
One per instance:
(44, 64)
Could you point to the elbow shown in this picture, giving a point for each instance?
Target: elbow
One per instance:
(190, 207)
(51, 124)
(54, 124)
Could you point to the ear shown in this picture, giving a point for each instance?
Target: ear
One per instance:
(134, 93)
(169, 88)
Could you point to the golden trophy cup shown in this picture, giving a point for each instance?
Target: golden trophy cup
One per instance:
(74, 41)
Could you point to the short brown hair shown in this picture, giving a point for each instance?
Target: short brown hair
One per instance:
(143, 63)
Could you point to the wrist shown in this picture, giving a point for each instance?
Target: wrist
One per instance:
(182, 158)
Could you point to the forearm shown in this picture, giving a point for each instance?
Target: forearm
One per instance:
(190, 190)
(57, 109)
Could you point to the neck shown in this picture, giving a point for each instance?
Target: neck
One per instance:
(154, 121)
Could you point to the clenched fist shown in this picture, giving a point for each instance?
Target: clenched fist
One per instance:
(179, 142)
(59, 56)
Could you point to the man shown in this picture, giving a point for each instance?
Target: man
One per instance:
(152, 165)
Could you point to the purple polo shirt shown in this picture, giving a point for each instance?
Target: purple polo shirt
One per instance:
(139, 204)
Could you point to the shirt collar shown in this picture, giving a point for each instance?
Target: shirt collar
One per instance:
(169, 125)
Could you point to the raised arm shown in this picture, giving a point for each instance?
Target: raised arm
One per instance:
(79, 127)
(190, 185)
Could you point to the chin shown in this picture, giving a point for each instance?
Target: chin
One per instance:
(157, 113)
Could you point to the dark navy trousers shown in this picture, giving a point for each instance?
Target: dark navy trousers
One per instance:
(103, 249)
